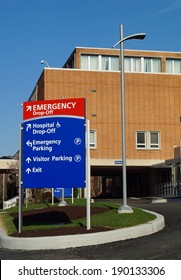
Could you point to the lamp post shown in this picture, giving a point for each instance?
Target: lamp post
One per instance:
(45, 62)
(124, 208)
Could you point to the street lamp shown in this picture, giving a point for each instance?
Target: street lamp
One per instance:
(45, 62)
(124, 208)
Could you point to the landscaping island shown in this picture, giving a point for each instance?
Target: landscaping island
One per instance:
(52, 220)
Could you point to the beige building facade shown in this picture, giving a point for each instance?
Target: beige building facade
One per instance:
(153, 114)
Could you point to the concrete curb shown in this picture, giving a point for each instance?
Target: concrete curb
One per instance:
(159, 200)
(79, 240)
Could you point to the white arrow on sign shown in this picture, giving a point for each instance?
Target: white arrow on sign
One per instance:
(28, 108)
(28, 160)
(28, 126)
(29, 143)
(28, 170)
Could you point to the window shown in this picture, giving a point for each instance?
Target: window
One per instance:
(141, 140)
(169, 66)
(147, 140)
(127, 64)
(94, 63)
(177, 66)
(99, 62)
(142, 64)
(136, 64)
(105, 63)
(114, 63)
(84, 62)
(152, 65)
(90, 62)
(156, 65)
(93, 142)
(154, 140)
(132, 64)
(173, 66)
(110, 63)
(147, 65)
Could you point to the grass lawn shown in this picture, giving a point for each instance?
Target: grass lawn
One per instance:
(109, 218)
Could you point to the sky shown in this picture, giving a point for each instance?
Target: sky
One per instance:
(32, 30)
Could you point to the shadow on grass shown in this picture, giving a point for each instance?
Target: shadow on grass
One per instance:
(49, 218)
(55, 216)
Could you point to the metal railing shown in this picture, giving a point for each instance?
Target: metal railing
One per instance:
(168, 189)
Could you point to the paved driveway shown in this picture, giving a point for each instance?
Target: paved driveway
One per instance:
(164, 245)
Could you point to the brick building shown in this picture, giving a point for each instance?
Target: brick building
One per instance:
(153, 110)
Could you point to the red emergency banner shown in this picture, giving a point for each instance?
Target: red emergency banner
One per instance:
(46, 108)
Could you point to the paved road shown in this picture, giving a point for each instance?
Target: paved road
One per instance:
(164, 245)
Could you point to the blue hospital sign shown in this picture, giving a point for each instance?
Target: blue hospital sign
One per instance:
(53, 144)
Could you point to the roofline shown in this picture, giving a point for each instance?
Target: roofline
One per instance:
(94, 48)
(106, 71)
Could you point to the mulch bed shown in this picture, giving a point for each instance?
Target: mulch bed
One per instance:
(57, 216)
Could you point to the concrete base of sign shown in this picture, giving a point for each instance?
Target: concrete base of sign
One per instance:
(62, 203)
(79, 240)
(124, 209)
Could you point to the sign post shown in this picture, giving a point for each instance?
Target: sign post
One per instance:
(88, 173)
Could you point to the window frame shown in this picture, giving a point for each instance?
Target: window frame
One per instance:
(172, 65)
(137, 64)
(93, 144)
(148, 143)
(133, 64)
(141, 146)
(155, 146)
(89, 62)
